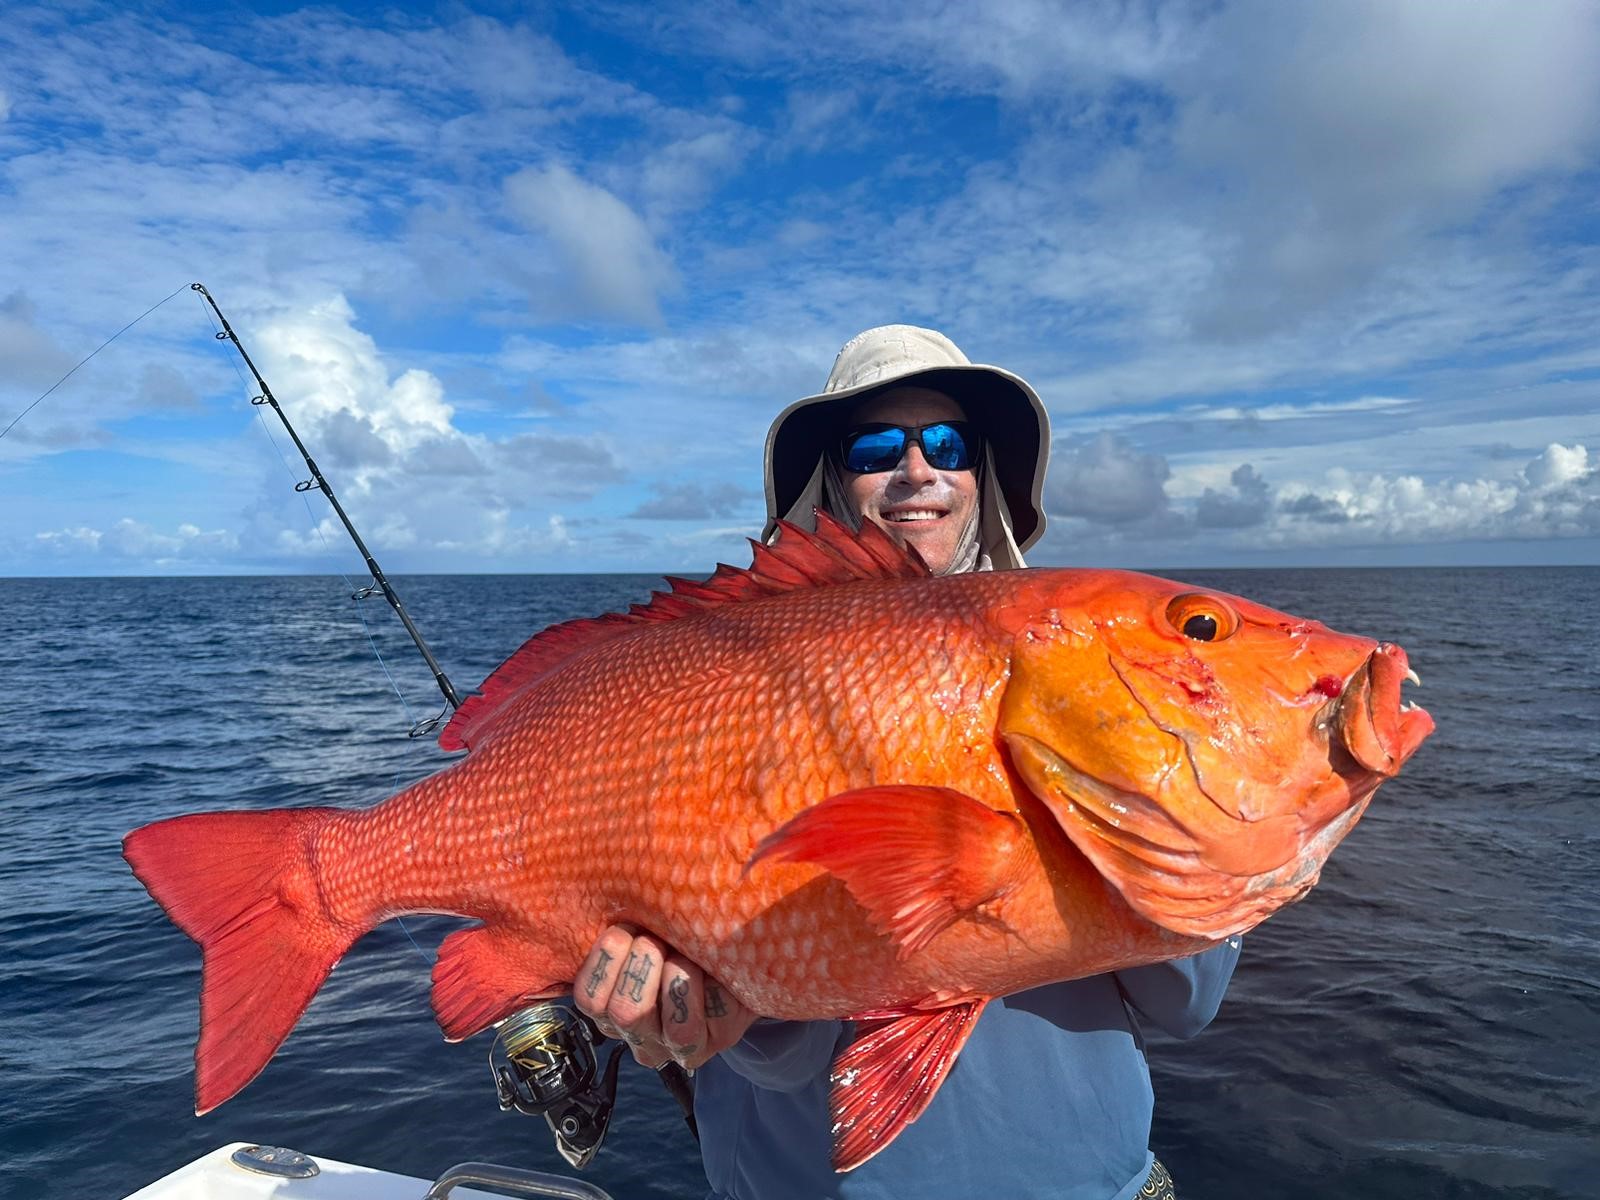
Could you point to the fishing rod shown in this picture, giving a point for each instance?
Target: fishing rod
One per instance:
(380, 581)
(543, 1059)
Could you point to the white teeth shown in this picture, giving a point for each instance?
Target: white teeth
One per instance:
(1412, 675)
(1407, 706)
(920, 514)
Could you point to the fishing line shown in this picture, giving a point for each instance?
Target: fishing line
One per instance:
(530, 1084)
(380, 582)
(316, 526)
(90, 355)
(355, 596)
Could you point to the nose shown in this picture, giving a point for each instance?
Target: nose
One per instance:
(914, 468)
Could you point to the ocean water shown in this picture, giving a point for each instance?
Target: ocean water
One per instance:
(1425, 1024)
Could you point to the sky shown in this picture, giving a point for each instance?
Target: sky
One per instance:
(1302, 285)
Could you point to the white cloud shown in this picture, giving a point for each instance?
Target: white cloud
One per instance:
(132, 541)
(32, 359)
(1110, 491)
(1244, 503)
(694, 501)
(682, 173)
(1557, 495)
(393, 451)
(1106, 480)
(608, 258)
(1558, 466)
(1357, 129)
(1200, 226)
(1291, 412)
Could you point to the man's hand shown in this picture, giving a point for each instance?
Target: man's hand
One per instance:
(664, 1006)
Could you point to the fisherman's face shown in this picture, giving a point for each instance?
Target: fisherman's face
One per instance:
(918, 505)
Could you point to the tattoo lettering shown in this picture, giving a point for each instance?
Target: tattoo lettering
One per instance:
(597, 976)
(678, 992)
(716, 1006)
(635, 975)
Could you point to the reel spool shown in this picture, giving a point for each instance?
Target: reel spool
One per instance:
(544, 1064)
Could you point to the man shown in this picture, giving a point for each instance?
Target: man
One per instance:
(1051, 1095)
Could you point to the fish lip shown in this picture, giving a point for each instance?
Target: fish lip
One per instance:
(1376, 728)
(1156, 865)
(1101, 804)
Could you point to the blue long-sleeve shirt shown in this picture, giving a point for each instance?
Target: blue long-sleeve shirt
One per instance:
(1050, 1097)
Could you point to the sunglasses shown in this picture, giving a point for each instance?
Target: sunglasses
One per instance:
(947, 445)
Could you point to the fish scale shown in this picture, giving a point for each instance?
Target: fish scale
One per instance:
(843, 787)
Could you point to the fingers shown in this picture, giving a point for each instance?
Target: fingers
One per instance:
(658, 1002)
(726, 1019)
(619, 986)
(683, 1012)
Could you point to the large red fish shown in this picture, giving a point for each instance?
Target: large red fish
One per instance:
(844, 787)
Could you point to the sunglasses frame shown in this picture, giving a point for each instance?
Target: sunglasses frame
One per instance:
(912, 434)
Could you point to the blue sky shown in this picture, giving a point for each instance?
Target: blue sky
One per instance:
(1300, 284)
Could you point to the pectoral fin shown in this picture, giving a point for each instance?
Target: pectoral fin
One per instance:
(887, 1077)
(918, 859)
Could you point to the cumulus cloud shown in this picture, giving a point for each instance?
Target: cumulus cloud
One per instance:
(1105, 479)
(1556, 495)
(132, 541)
(609, 260)
(1363, 126)
(1112, 490)
(399, 459)
(694, 502)
(1245, 504)
(1309, 506)
(1230, 215)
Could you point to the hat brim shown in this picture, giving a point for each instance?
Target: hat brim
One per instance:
(1006, 410)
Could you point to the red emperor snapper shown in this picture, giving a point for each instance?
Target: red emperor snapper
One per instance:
(843, 786)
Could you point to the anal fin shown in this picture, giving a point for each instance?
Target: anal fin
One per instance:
(486, 973)
(918, 859)
(886, 1078)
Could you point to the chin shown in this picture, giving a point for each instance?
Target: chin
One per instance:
(932, 544)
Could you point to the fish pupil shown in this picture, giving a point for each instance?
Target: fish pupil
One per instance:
(1202, 627)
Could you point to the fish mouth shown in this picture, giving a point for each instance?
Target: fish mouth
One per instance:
(1219, 877)
(1376, 726)
(1158, 866)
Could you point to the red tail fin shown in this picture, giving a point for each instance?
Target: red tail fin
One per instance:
(244, 886)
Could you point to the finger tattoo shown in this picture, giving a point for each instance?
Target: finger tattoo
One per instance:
(635, 975)
(678, 993)
(598, 975)
(716, 1006)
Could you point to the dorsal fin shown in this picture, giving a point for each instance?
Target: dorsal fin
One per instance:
(795, 561)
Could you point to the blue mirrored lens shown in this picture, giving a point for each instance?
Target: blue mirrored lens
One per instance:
(878, 450)
(945, 448)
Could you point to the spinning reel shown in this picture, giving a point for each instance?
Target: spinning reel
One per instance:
(544, 1061)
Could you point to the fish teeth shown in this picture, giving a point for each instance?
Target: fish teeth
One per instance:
(1413, 677)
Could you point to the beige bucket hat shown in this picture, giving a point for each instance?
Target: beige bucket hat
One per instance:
(1007, 411)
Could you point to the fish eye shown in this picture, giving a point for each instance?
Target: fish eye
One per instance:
(1202, 618)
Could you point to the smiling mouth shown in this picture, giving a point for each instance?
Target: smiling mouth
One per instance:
(911, 516)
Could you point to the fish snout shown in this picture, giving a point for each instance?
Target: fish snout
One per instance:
(1377, 727)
